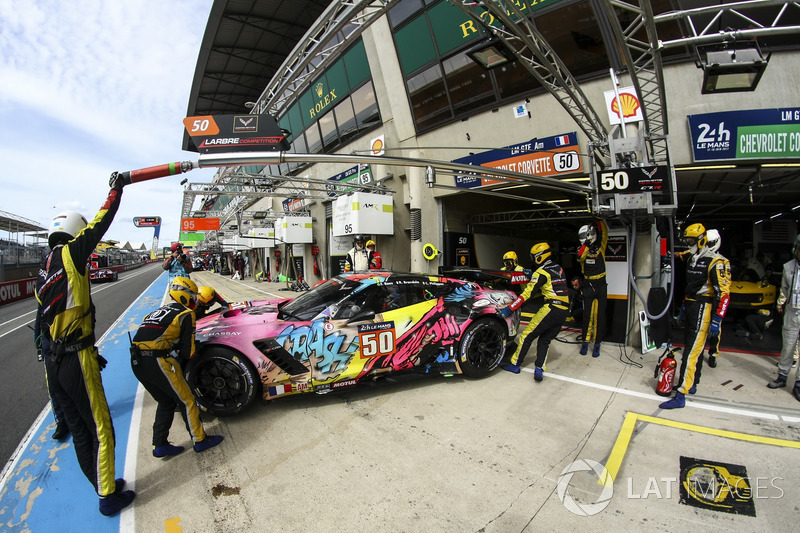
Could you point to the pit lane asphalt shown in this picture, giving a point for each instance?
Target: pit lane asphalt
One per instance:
(453, 454)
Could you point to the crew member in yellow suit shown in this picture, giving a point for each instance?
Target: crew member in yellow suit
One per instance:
(73, 363)
(706, 300)
(592, 258)
(548, 279)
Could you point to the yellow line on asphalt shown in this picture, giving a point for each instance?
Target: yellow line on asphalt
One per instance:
(626, 432)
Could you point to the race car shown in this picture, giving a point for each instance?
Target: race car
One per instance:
(103, 274)
(353, 329)
(752, 294)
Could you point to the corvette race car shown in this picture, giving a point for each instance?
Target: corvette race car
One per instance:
(352, 329)
(103, 274)
(752, 294)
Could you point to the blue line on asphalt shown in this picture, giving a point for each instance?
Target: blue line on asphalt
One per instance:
(45, 490)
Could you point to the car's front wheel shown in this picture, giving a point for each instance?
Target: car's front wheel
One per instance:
(224, 382)
(482, 347)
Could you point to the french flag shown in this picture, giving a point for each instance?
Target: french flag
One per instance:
(562, 140)
(281, 389)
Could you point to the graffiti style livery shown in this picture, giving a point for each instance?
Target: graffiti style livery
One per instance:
(352, 329)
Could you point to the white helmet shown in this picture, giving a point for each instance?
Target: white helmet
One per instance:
(714, 240)
(587, 234)
(65, 226)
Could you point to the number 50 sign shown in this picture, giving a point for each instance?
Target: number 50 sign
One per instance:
(377, 339)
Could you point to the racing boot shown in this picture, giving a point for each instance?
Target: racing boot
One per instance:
(796, 391)
(166, 450)
(61, 432)
(779, 382)
(114, 503)
(584, 348)
(712, 361)
(209, 442)
(514, 369)
(675, 403)
(596, 351)
(538, 374)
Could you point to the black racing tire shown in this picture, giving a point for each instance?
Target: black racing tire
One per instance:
(482, 347)
(223, 381)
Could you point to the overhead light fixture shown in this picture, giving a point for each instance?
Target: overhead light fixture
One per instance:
(249, 105)
(490, 54)
(734, 66)
(707, 167)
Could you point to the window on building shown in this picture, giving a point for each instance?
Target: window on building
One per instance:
(429, 103)
(365, 106)
(468, 84)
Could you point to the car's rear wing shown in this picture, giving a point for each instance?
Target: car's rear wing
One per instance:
(494, 279)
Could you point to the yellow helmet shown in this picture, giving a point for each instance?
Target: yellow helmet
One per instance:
(206, 294)
(510, 259)
(540, 252)
(184, 291)
(370, 243)
(695, 235)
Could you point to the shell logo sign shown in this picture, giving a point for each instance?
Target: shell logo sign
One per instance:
(631, 108)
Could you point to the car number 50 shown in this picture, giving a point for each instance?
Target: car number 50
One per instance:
(610, 181)
(377, 343)
(566, 161)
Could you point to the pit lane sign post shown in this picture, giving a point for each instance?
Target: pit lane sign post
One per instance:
(150, 222)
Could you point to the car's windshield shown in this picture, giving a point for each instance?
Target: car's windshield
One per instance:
(310, 304)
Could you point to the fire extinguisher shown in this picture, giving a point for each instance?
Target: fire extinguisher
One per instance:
(277, 261)
(315, 253)
(665, 372)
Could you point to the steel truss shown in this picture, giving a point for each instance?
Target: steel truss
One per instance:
(520, 36)
(337, 28)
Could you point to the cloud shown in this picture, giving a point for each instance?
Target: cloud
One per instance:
(91, 87)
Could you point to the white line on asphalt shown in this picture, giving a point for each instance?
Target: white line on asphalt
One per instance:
(689, 403)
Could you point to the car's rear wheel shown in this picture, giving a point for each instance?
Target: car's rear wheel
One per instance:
(482, 347)
(224, 382)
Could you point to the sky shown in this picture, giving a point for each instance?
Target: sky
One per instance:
(92, 87)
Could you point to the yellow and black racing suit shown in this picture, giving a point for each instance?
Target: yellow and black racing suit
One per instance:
(547, 322)
(73, 370)
(202, 309)
(713, 341)
(165, 338)
(518, 288)
(595, 288)
(707, 295)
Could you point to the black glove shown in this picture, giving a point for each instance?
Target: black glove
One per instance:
(116, 181)
(101, 361)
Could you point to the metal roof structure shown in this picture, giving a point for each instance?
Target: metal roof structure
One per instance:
(258, 51)
(245, 43)
(12, 223)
